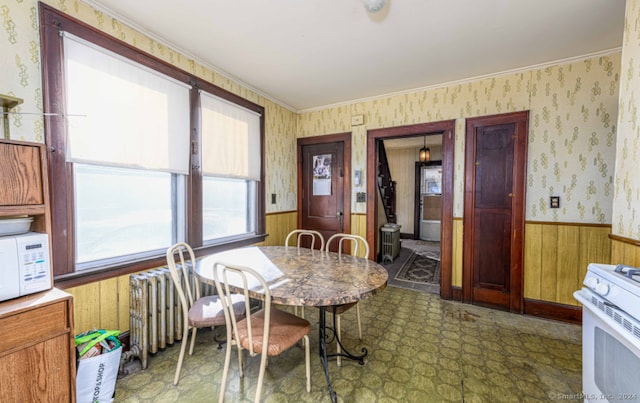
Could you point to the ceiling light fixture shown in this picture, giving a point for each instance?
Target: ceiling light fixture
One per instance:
(373, 6)
(425, 152)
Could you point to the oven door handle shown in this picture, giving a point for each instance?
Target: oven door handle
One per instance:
(578, 295)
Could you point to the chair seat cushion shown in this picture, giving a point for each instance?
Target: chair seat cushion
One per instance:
(207, 311)
(285, 330)
(340, 309)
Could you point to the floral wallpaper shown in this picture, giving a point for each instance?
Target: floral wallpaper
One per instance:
(20, 64)
(572, 135)
(573, 109)
(626, 200)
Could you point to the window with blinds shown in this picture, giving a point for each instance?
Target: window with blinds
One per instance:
(143, 155)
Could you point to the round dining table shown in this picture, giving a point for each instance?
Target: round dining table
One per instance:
(307, 278)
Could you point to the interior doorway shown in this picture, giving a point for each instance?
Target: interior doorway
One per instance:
(447, 130)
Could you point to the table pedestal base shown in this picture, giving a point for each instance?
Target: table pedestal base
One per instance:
(324, 357)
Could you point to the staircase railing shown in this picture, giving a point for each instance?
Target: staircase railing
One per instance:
(386, 185)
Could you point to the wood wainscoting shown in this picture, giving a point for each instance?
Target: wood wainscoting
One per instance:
(557, 255)
(556, 259)
(625, 251)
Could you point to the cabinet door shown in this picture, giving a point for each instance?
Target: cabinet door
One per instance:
(20, 175)
(39, 373)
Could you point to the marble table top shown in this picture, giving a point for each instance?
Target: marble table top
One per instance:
(303, 277)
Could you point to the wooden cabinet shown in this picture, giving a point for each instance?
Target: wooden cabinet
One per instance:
(23, 182)
(37, 351)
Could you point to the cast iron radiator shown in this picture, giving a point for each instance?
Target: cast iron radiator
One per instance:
(155, 312)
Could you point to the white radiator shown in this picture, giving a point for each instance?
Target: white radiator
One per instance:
(155, 312)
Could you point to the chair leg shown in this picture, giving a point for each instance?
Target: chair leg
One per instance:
(183, 347)
(359, 325)
(225, 372)
(338, 350)
(240, 365)
(193, 340)
(263, 365)
(307, 362)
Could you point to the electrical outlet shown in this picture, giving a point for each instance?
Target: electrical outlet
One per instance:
(361, 197)
(273, 198)
(554, 202)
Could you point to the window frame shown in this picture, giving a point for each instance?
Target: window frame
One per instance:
(60, 171)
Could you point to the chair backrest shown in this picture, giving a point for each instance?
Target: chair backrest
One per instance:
(231, 280)
(300, 233)
(180, 258)
(357, 240)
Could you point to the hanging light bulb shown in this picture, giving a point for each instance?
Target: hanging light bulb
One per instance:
(425, 152)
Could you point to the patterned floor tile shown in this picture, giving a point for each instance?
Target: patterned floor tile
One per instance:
(421, 349)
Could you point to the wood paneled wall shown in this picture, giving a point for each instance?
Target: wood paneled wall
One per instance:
(278, 227)
(101, 305)
(105, 304)
(556, 258)
(625, 251)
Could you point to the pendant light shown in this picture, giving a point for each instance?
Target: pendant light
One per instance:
(425, 152)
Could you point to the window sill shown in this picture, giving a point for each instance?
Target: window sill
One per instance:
(105, 273)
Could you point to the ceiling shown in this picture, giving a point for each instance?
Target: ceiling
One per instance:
(308, 54)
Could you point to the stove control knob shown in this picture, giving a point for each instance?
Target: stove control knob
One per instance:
(602, 289)
(591, 282)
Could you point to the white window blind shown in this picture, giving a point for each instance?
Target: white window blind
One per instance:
(230, 139)
(123, 114)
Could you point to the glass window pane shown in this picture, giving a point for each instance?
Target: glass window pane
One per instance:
(121, 211)
(227, 207)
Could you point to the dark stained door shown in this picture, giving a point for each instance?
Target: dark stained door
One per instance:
(324, 173)
(494, 211)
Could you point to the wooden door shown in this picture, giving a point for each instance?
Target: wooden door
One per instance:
(494, 210)
(323, 178)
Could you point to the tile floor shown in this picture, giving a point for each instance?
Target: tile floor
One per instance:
(421, 349)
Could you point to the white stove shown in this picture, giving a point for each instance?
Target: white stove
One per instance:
(618, 285)
(610, 302)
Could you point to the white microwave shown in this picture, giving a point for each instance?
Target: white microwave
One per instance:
(24, 265)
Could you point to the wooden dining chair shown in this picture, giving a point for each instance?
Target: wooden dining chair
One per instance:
(302, 233)
(338, 310)
(197, 312)
(268, 332)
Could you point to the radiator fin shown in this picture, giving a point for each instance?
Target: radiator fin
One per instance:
(155, 311)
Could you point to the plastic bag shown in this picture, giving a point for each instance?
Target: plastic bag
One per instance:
(99, 354)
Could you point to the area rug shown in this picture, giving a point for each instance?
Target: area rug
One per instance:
(421, 268)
